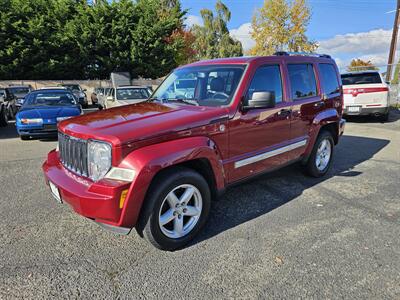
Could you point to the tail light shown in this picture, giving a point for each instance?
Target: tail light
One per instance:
(355, 92)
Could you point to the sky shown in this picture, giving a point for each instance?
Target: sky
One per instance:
(345, 29)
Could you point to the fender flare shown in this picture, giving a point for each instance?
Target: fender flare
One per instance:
(150, 160)
(323, 118)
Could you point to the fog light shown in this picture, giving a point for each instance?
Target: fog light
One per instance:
(122, 198)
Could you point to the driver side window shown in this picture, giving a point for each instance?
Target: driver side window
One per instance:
(267, 79)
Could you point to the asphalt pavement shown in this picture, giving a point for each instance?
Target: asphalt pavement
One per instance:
(283, 235)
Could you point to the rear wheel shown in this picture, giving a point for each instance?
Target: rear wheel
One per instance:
(176, 208)
(384, 117)
(3, 116)
(24, 137)
(320, 159)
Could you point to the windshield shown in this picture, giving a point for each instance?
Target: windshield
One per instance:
(50, 99)
(132, 93)
(19, 90)
(361, 78)
(212, 85)
(73, 87)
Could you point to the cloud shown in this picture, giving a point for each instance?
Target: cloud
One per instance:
(372, 45)
(243, 34)
(193, 20)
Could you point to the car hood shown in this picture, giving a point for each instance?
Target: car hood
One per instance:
(48, 112)
(125, 124)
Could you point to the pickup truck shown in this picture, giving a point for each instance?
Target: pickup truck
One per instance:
(156, 166)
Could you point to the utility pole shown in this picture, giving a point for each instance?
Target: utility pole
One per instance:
(393, 44)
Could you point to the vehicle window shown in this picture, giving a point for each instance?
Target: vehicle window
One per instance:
(132, 93)
(302, 81)
(50, 99)
(361, 78)
(329, 80)
(209, 85)
(19, 90)
(267, 79)
(73, 87)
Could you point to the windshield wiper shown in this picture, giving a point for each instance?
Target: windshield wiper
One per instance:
(188, 101)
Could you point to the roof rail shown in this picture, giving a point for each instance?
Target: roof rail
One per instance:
(285, 53)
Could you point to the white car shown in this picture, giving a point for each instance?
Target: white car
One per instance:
(124, 95)
(366, 93)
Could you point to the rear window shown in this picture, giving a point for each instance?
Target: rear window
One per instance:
(329, 79)
(361, 78)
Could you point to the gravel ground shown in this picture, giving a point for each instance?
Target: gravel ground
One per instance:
(283, 235)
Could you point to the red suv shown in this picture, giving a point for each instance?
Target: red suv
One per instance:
(157, 165)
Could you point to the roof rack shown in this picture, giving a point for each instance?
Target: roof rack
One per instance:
(285, 53)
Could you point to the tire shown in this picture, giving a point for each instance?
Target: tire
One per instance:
(170, 236)
(24, 137)
(312, 167)
(3, 116)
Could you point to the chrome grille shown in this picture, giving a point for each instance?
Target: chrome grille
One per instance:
(73, 153)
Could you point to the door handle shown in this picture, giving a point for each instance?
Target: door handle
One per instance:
(284, 111)
(319, 104)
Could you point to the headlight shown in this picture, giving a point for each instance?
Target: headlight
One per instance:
(59, 119)
(99, 159)
(20, 101)
(31, 121)
(81, 94)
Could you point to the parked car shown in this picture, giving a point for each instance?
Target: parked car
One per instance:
(10, 100)
(96, 93)
(20, 91)
(125, 95)
(3, 109)
(157, 165)
(79, 93)
(366, 93)
(43, 110)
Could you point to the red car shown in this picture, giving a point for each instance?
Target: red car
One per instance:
(157, 165)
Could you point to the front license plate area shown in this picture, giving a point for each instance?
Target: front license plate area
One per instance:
(353, 109)
(55, 192)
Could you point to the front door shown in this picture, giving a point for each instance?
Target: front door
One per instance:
(258, 138)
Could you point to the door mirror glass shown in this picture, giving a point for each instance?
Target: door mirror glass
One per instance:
(265, 99)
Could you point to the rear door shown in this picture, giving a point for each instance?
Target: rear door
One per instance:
(307, 102)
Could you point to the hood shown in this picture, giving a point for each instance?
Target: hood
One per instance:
(48, 112)
(126, 124)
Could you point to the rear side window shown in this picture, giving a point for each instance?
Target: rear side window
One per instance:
(267, 79)
(361, 78)
(302, 81)
(329, 79)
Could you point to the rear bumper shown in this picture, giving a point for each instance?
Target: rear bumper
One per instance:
(366, 111)
(98, 201)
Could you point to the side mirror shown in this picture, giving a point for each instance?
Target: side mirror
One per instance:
(265, 99)
(84, 90)
(110, 98)
(387, 82)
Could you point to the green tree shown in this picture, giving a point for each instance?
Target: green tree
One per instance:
(360, 65)
(213, 40)
(281, 25)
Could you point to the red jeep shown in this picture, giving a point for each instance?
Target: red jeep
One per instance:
(157, 165)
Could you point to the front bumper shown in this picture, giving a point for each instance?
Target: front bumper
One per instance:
(98, 201)
(342, 125)
(37, 130)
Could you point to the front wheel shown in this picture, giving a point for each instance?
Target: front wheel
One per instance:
(320, 159)
(176, 208)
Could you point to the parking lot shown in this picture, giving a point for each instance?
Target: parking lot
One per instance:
(282, 235)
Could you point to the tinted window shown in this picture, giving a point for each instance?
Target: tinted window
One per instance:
(302, 81)
(49, 99)
(267, 79)
(361, 78)
(329, 80)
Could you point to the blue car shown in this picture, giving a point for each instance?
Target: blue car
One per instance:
(43, 109)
